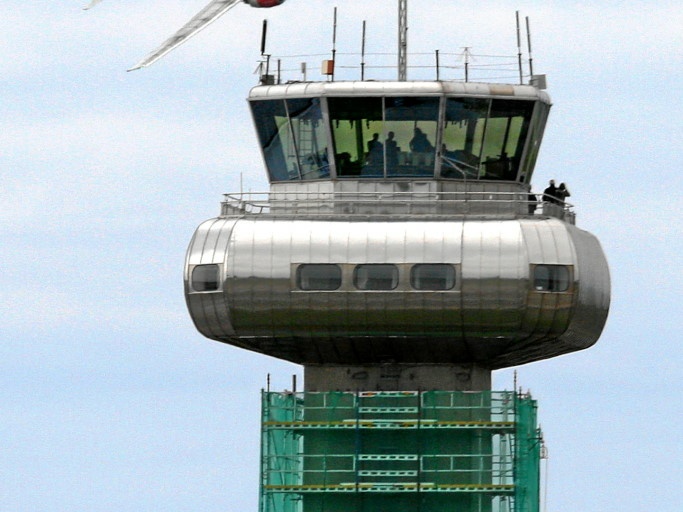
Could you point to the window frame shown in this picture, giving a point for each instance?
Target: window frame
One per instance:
(302, 266)
(395, 278)
(551, 278)
(499, 134)
(449, 266)
(349, 281)
(192, 281)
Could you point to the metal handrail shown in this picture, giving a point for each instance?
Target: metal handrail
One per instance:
(419, 204)
(461, 66)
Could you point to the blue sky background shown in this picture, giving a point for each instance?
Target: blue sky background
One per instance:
(109, 398)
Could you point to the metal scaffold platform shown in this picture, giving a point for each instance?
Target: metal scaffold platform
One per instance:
(399, 451)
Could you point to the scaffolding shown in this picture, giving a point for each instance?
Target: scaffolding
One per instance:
(399, 452)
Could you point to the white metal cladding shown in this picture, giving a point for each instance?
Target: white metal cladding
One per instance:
(209, 310)
(592, 274)
(388, 88)
(492, 317)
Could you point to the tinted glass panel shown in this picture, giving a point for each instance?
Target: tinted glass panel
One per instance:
(410, 135)
(375, 277)
(462, 137)
(377, 137)
(432, 277)
(205, 278)
(504, 139)
(318, 277)
(484, 139)
(357, 128)
(551, 278)
(309, 137)
(276, 139)
(535, 133)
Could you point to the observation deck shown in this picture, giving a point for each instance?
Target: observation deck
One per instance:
(388, 201)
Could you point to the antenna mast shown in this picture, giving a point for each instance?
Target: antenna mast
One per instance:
(334, 43)
(528, 42)
(402, 40)
(519, 50)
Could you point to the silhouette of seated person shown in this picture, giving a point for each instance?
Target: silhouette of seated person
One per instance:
(420, 143)
(421, 147)
(345, 166)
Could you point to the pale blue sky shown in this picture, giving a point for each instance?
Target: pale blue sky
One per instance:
(111, 400)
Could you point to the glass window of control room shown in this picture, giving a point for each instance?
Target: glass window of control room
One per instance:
(384, 137)
(292, 137)
(387, 137)
(483, 138)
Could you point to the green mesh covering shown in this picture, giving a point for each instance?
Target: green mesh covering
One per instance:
(400, 452)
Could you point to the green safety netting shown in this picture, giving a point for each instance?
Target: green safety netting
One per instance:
(399, 451)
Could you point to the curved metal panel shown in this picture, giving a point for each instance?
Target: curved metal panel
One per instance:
(494, 286)
(493, 316)
(209, 310)
(593, 302)
(378, 88)
(558, 323)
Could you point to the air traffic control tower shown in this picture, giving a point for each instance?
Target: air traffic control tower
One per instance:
(400, 256)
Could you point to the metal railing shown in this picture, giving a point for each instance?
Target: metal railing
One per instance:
(345, 470)
(393, 204)
(462, 66)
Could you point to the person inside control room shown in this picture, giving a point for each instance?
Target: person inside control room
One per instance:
(392, 150)
(375, 150)
(420, 143)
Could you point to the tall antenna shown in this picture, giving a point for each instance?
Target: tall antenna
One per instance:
(264, 34)
(402, 40)
(362, 55)
(466, 55)
(519, 50)
(528, 42)
(266, 78)
(334, 43)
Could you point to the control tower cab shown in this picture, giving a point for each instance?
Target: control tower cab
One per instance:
(399, 227)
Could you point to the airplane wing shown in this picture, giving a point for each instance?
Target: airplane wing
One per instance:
(214, 10)
(91, 4)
